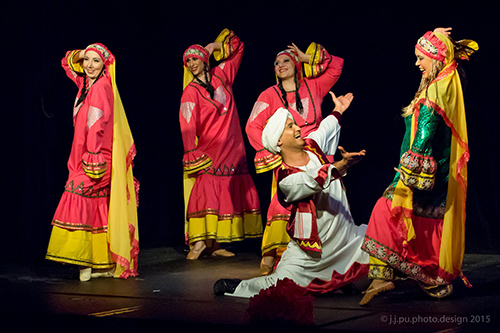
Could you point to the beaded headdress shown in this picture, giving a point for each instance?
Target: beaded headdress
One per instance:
(432, 46)
(195, 51)
(103, 52)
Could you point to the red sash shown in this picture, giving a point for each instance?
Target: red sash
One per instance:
(302, 225)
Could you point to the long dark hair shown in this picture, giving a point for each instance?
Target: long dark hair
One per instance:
(85, 90)
(298, 102)
(208, 85)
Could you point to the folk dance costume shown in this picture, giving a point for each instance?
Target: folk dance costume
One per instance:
(321, 73)
(417, 227)
(325, 251)
(95, 223)
(221, 198)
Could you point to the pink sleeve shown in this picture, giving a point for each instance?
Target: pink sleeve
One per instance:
(262, 110)
(100, 109)
(194, 160)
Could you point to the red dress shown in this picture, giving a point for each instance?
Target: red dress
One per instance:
(223, 203)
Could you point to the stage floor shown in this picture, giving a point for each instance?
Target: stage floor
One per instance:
(172, 293)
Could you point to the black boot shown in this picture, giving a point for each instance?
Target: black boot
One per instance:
(222, 286)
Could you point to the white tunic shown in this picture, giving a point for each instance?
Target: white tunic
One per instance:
(341, 238)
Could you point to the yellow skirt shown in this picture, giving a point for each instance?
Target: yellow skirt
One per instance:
(275, 237)
(79, 247)
(223, 231)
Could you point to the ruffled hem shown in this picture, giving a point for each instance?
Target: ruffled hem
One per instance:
(265, 161)
(195, 161)
(318, 63)
(225, 197)
(94, 164)
(419, 163)
(79, 247)
(228, 40)
(412, 269)
(76, 212)
(418, 171)
(75, 67)
(224, 231)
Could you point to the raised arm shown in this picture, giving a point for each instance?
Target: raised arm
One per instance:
(322, 68)
(328, 133)
(72, 64)
(228, 49)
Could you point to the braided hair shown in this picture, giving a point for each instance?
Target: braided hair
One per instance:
(85, 90)
(208, 85)
(298, 102)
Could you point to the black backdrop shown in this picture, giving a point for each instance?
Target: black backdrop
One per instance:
(376, 40)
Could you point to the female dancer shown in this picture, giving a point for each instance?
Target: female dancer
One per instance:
(417, 227)
(303, 98)
(223, 205)
(95, 224)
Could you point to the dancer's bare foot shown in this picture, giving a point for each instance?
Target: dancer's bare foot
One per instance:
(196, 250)
(376, 287)
(267, 265)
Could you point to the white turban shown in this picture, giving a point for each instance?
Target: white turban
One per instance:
(274, 129)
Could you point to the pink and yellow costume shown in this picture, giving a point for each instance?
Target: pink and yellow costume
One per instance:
(322, 71)
(223, 204)
(95, 223)
(417, 228)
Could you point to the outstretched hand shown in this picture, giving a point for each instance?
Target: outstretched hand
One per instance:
(342, 102)
(348, 159)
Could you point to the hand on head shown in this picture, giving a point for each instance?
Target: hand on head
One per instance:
(444, 31)
(342, 102)
(302, 56)
(215, 46)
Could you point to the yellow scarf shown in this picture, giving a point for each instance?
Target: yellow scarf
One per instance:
(445, 96)
(123, 232)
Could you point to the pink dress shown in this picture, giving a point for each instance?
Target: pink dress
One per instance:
(214, 150)
(84, 204)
